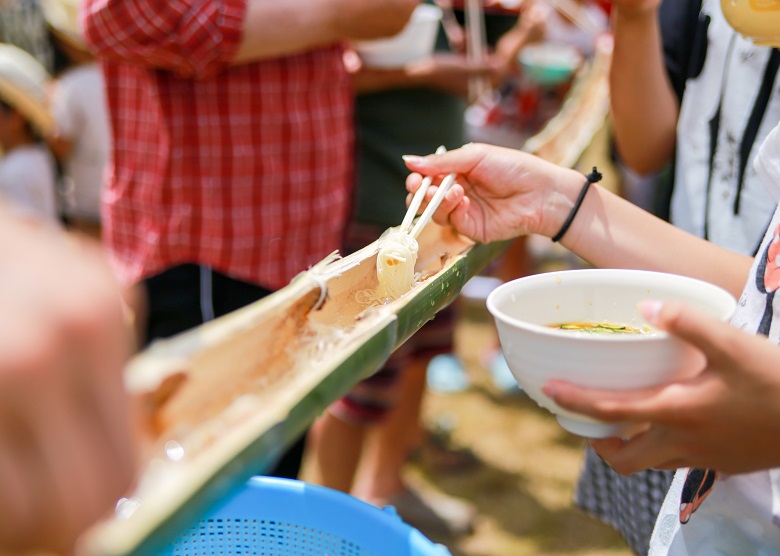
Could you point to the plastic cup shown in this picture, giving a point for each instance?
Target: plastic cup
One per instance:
(416, 41)
(755, 19)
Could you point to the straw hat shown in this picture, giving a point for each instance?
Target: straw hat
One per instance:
(23, 82)
(62, 16)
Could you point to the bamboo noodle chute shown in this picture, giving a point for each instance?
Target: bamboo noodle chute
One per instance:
(257, 377)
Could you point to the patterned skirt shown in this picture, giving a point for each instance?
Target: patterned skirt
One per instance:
(629, 504)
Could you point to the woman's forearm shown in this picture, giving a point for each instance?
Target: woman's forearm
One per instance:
(609, 231)
(643, 104)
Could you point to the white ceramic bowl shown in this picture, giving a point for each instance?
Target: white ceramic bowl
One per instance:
(523, 310)
(415, 42)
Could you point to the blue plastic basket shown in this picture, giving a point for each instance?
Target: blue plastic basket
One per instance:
(284, 517)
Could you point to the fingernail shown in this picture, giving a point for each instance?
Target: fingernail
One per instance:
(549, 390)
(650, 309)
(413, 159)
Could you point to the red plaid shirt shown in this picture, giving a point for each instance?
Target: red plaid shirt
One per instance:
(245, 168)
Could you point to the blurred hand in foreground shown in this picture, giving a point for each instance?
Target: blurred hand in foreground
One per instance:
(66, 448)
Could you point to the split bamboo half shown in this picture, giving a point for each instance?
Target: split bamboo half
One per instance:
(224, 400)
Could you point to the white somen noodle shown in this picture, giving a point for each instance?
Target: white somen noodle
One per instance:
(394, 269)
(395, 265)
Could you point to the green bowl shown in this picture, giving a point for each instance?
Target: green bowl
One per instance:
(548, 63)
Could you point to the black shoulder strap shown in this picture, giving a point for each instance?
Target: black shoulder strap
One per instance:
(750, 132)
(714, 128)
(756, 117)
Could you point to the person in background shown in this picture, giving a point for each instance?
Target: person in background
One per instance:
(716, 427)
(82, 137)
(712, 100)
(68, 450)
(686, 92)
(582, 33)
(362, 443)
(231, 168)
(22, 25)
(27, 168)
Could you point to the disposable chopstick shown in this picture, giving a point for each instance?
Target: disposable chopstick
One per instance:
(577, 14)
(418, 198)
(449, 22)
(433, 205)
(476, 46)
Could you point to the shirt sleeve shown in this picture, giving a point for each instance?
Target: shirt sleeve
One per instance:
(64, 110)
(191, 38)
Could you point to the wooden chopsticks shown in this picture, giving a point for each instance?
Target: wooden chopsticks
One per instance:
(419, 195)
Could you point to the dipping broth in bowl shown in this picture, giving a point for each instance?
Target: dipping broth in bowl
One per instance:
(601, 328)
(543, 322)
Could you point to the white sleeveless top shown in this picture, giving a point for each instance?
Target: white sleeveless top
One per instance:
(741, 513)
(734, 68)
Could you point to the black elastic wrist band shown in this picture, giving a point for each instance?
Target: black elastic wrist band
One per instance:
(593, 177)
